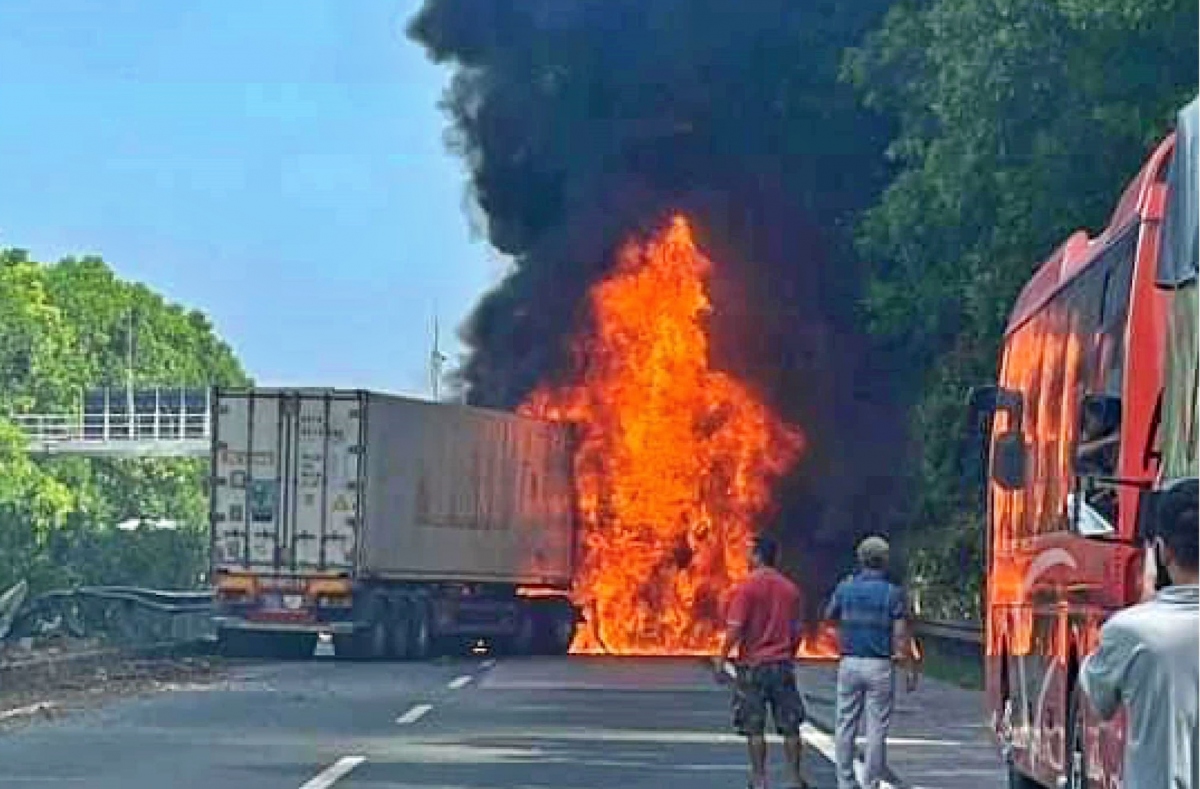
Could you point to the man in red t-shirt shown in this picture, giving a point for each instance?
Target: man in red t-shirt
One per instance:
(764, 624)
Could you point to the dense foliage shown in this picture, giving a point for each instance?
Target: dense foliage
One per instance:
(952, 143)
(63, 328)
(1018, 123)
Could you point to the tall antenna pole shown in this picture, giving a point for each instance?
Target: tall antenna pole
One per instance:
(129, 375)
(436, 360)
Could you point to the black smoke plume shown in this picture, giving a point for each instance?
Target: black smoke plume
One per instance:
(585, 122)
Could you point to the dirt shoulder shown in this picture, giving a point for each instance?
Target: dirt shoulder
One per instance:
(47, 681)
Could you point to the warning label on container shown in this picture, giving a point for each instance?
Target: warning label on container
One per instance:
(341, 503)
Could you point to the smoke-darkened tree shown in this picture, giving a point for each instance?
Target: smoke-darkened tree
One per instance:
(1009, 125)
(584, 122)
(1018, 123)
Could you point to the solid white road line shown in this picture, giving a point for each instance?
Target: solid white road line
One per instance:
(331, 774)
(415, 714)
(459, 682)
(818, 739)
(824, 743)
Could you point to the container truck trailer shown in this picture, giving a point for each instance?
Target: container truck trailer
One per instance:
(399, 527)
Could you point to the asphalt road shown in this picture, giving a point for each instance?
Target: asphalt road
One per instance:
(469, 724)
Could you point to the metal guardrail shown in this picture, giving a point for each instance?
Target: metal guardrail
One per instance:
(177, 602)
(68, 633)
(119, 614)
(963, 632)
(952, 650)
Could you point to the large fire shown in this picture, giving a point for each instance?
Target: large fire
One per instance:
(675, 462)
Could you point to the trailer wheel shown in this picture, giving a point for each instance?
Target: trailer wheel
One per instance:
(368, 643)
(401, 642)
(562, 633)
(555, 629)
(522, 642)
(420, 639)
(378, 639)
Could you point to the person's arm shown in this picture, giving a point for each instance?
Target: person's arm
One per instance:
(734, 622)
(797, 625)
(1106, 671)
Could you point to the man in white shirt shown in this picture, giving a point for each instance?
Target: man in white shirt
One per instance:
(1149, 658)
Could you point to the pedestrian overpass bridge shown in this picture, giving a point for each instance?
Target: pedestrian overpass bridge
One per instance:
(119, 423)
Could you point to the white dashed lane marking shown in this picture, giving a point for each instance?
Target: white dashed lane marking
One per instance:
(415, 714)
(333, 773)
(458, 683)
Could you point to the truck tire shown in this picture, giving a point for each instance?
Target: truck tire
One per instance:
(560, 634)
(368, 643)
(378, 638)
(523, 641)
(400, 633)
(420, 641)
(555, 629)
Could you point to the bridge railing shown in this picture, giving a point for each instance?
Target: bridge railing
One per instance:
(114, 426)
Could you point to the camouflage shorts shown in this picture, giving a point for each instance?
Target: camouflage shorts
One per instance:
(757, 687)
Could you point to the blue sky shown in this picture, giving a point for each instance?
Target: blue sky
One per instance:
(277, 164)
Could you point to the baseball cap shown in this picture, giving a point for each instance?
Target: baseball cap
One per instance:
(873, 549)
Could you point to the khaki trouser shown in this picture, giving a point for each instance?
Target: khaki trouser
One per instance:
(863, 684)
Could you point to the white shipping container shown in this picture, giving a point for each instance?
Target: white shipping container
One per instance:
(325, 481)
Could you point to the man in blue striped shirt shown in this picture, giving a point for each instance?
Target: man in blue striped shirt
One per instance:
(871, 613)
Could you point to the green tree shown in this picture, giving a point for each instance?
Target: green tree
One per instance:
(37, 361)
(1017, 123)
(63, 328)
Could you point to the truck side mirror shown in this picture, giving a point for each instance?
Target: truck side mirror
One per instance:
(1008, 460)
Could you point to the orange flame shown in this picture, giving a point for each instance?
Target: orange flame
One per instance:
(675, 461)
(821, 644)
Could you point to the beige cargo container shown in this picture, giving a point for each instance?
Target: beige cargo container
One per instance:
(394, 524)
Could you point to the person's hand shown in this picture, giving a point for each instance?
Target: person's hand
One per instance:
(717, 664)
